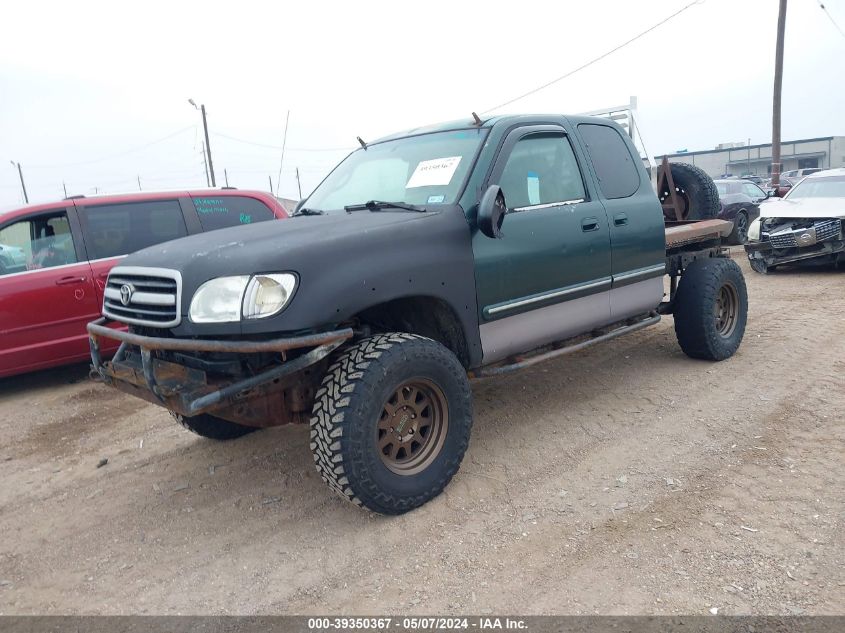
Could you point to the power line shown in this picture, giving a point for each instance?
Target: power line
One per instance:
(289, 149)
(593, 61)
(129, 151)
(830, 17)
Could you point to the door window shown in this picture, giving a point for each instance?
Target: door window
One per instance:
(119, 229)
(224, 211)
(753, 191)
(41, 242)
(541, 170)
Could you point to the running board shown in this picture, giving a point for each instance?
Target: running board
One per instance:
(523, 361)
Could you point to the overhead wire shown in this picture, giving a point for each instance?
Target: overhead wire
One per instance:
(593, 61)
(118, 155)
(278, 147)
(830, 17)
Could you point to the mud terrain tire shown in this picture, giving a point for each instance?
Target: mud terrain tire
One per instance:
(375, 396)
(699, 198)
(711, 309)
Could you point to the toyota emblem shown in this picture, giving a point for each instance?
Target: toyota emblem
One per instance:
(125, 294)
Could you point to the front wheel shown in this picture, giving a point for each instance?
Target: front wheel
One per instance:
(759, 265)
(711, 309)
(391, 422)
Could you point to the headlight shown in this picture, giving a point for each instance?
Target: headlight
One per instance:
(754, 230)
(267, 294)
(219, 300)
(226, 299)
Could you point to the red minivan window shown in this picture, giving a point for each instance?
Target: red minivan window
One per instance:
(119, 229)
(220, 212)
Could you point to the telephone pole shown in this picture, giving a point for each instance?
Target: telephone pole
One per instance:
(201, 108)
(776, 166)
(226, 176)
(23, 186)
(298, 184)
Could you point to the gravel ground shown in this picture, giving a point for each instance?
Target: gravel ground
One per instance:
(625, 479)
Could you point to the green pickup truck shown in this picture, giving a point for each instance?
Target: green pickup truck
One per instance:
(423, 260)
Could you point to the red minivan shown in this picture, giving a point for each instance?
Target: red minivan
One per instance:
(54, 260)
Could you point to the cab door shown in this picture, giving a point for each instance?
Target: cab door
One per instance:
(548, 277)
(47, 295)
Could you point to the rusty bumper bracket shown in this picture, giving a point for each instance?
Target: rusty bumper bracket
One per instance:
(323, 344)
(214, 398)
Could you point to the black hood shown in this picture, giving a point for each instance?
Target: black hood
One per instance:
(272, 246)
(344, 262)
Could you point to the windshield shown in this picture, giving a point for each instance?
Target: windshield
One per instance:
(828, 187)
(420, 170)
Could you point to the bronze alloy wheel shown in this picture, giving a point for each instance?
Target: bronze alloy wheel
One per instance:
(413, 426)
(726, 310)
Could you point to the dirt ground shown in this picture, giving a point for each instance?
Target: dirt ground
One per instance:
(624, 479)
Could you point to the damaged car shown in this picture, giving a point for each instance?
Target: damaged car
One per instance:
(804, 227)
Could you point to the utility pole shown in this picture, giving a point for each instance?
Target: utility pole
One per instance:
(282, 160)
(205, 161)
(23, 186)
(270, 178)
(139, 182)
(748, 163)
(298, 184)
(207, 144)
(226, 176)
(65, 188)
(776, 166)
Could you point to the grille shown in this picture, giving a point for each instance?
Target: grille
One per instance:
(824, 230)
(828, 229)
(143, 296)
(783, 240)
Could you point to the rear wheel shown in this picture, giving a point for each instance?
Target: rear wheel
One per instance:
(711, 308)
(740, 233)
(213, 428)
(391, 422)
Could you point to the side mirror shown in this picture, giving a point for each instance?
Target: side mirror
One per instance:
(491, 212)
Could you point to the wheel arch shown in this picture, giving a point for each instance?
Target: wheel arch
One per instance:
(425, 315)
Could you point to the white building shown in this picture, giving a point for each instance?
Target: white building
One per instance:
(740, 159)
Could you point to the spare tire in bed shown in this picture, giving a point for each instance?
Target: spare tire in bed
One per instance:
(697, 193)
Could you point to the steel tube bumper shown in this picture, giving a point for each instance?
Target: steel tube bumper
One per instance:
(188, 391)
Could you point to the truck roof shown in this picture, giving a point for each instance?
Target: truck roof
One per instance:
(468, 123)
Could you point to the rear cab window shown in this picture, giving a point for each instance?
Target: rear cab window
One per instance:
(112, 230)
(615, 168)
(220, 212)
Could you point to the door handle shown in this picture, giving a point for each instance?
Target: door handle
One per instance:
(589, 224)
(621, 219)
(67, 281)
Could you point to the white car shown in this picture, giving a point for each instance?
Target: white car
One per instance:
(803, 226)
(11, 258)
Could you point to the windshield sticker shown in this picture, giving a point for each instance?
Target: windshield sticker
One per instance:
(434, 173)
(436, 199)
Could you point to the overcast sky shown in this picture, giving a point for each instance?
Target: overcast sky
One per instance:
(94, 94)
